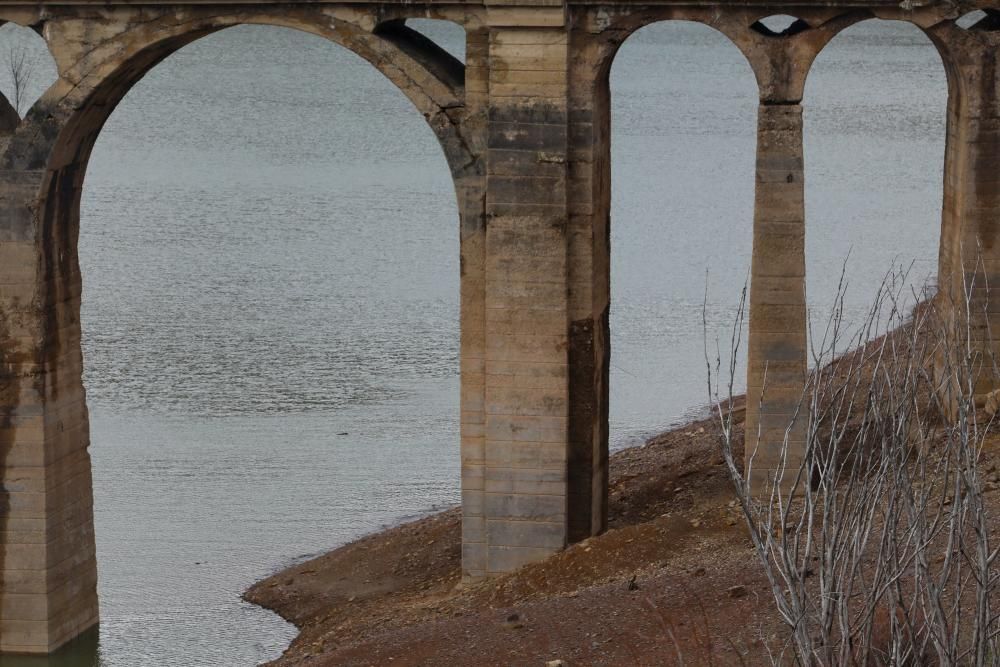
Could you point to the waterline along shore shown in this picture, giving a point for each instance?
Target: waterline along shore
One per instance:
(673, 575)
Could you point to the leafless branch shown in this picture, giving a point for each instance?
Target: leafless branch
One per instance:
(876, 539)
(21, 70)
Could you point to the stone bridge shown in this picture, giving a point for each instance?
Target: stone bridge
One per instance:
(524, 123)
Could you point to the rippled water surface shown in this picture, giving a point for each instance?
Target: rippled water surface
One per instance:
(270, 253)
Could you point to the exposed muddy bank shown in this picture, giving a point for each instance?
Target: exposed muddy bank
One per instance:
(673, 571)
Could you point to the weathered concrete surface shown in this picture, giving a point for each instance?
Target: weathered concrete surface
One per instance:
(525, 126)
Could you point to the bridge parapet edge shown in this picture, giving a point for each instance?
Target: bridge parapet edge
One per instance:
(907, 5)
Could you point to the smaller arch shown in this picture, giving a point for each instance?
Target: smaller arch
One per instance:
(847, 21)
(634, 23)
(27, 69)
(980, 20)
(93, 79)
(847, 139)
(449, 35)
(435, 58)
(779, 25)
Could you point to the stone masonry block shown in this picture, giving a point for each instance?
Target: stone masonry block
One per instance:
(521, 433)
(527, 507)
(525, 481)
(541, 190)
(508, 559)
(526, 348)
(473, 503)
(542, 402)
(527, 375)
(778, 318)
(535, 455)
(539, 534)
(473, 476)
(532, 322)
(528, 137)
(473, 530)
(554, 43)
(516, 162)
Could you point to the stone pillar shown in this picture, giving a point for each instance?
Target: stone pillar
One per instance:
(526, 442)
(969, 260)
(588, 273)
(776, 418)
(48, 573)
(471, 192)
(777, 364)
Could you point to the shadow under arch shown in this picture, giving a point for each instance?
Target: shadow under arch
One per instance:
(875, 96)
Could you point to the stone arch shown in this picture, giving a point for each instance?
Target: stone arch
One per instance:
(845, 234)
(595, 40)
(616, 32)
(805, 35)
(94, 77)
(926, 23)
(44, 164)
(54, 142)
(959, 41)
(706, 101)
(781, 59)
(61, 128)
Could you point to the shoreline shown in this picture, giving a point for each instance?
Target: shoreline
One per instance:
(395, 595)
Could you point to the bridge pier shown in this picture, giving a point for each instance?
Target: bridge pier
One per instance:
(777, 412)
(969, 259)
(588, 284)
(47, 560)
(527, 389)
(472, 351)
(776, 415)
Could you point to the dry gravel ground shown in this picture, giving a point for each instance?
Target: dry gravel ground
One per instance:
(673, 576)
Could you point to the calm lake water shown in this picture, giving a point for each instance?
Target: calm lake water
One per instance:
(269, 243)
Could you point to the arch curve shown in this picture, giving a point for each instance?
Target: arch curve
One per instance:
(627, 25)
(50, 149)
(95, 77)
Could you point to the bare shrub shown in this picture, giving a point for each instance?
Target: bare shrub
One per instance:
(876, 539)
(21, 70)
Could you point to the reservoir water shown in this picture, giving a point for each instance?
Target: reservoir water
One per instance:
(269, 245)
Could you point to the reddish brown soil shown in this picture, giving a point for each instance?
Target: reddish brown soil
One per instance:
(673, 576)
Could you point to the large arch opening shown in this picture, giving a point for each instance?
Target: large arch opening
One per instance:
(684, 103)
(875, 111)
(270, 330)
